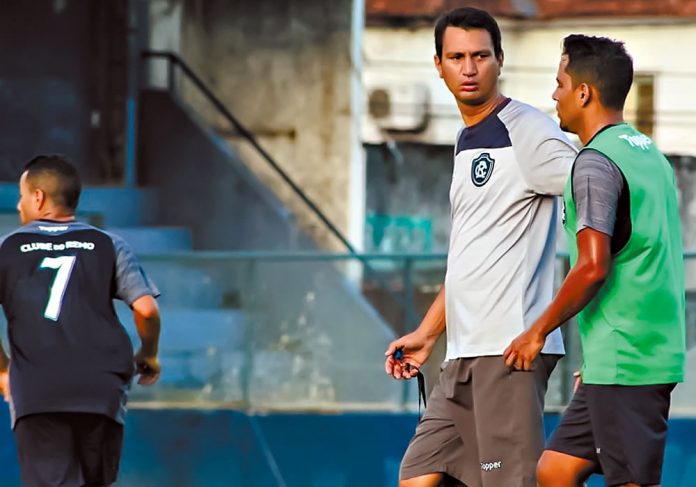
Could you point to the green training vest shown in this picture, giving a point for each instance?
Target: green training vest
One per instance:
(633, 330)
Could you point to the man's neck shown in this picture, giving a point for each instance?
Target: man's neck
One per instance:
(475, 114)
(56, 216)
(596, 122)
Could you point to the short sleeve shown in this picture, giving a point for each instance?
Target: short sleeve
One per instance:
(131, 281)
(597, 187)
(546, 165)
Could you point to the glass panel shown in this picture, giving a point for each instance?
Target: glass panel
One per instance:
(308, 331)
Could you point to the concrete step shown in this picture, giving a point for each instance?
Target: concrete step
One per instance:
(101, 205)
(144, 240)
(183, 286)
(198, 347)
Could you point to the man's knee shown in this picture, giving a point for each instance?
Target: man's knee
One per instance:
(556, 469)
(546, 473)
(430, 480)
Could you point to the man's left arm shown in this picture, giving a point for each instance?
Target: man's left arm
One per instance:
(4, 358)
(135, 288)
(4, 374)
(579, 287)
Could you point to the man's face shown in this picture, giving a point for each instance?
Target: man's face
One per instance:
(566, 98)
(468, 65)
(27, 206)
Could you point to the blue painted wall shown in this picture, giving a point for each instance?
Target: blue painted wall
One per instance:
(183, 448)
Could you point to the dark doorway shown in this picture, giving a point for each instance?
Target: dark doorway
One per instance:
(63, 72)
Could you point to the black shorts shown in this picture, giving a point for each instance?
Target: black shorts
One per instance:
(622, 429)
(68, 449)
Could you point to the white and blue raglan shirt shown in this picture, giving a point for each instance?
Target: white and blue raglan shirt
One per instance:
(508, 170)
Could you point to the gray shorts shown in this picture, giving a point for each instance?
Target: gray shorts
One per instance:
(483, 425)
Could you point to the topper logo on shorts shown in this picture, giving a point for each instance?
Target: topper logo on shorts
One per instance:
(488, 466)
(481, 169)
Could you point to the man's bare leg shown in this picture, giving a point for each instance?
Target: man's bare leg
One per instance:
(557, 469)
(430, 480)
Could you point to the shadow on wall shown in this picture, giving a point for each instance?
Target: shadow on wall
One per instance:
(203, 184)
(45, 87)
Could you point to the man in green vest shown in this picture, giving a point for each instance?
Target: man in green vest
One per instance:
(626, 284)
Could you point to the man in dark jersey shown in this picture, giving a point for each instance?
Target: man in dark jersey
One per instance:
(71, 359)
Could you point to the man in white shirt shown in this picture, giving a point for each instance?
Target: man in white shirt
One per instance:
(484, 422)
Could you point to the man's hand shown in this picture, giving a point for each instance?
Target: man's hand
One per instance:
(578, 381)
(415, 349)
(521, 353)
(147, 367)
(5, 385)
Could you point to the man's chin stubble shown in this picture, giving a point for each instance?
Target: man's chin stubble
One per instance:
(476, 102)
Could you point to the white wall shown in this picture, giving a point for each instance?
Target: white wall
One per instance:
(164, 34)
(532, 50)
(290, 73)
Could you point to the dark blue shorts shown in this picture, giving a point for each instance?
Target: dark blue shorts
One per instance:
(68, 449)
(622, 429)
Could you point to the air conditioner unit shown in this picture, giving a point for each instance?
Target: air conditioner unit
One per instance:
(399, 107)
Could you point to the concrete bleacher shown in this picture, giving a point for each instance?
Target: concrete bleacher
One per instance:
(302, 314)
(203, 346)
(127, 212)
(202, 353)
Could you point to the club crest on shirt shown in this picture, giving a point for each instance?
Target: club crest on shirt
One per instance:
(481, 169)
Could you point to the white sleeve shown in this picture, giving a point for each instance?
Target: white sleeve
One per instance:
(545, 166)
(543, 152)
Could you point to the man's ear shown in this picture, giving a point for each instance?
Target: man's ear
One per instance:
(39, 198)
(501, 60)
(585, 94)
(438, 64)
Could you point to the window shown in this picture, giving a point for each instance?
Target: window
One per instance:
(640, 103)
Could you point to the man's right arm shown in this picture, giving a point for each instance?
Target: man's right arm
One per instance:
(139, 292)
(418, 345)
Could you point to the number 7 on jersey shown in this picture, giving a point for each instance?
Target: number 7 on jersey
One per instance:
(64, 265)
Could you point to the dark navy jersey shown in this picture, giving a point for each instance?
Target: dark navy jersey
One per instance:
(69, 352)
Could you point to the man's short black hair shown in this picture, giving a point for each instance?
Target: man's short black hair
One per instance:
(602, 63)
(468, 18)
(65, 191)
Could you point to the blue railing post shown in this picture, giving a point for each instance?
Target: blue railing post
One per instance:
(249, 303)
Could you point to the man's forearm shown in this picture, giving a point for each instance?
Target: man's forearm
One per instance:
(149, 331)
(434, 323)
(4, 359)
(577, 290)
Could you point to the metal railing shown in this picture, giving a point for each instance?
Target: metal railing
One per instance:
(174, 62)
(177, 64)
(299, 344)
